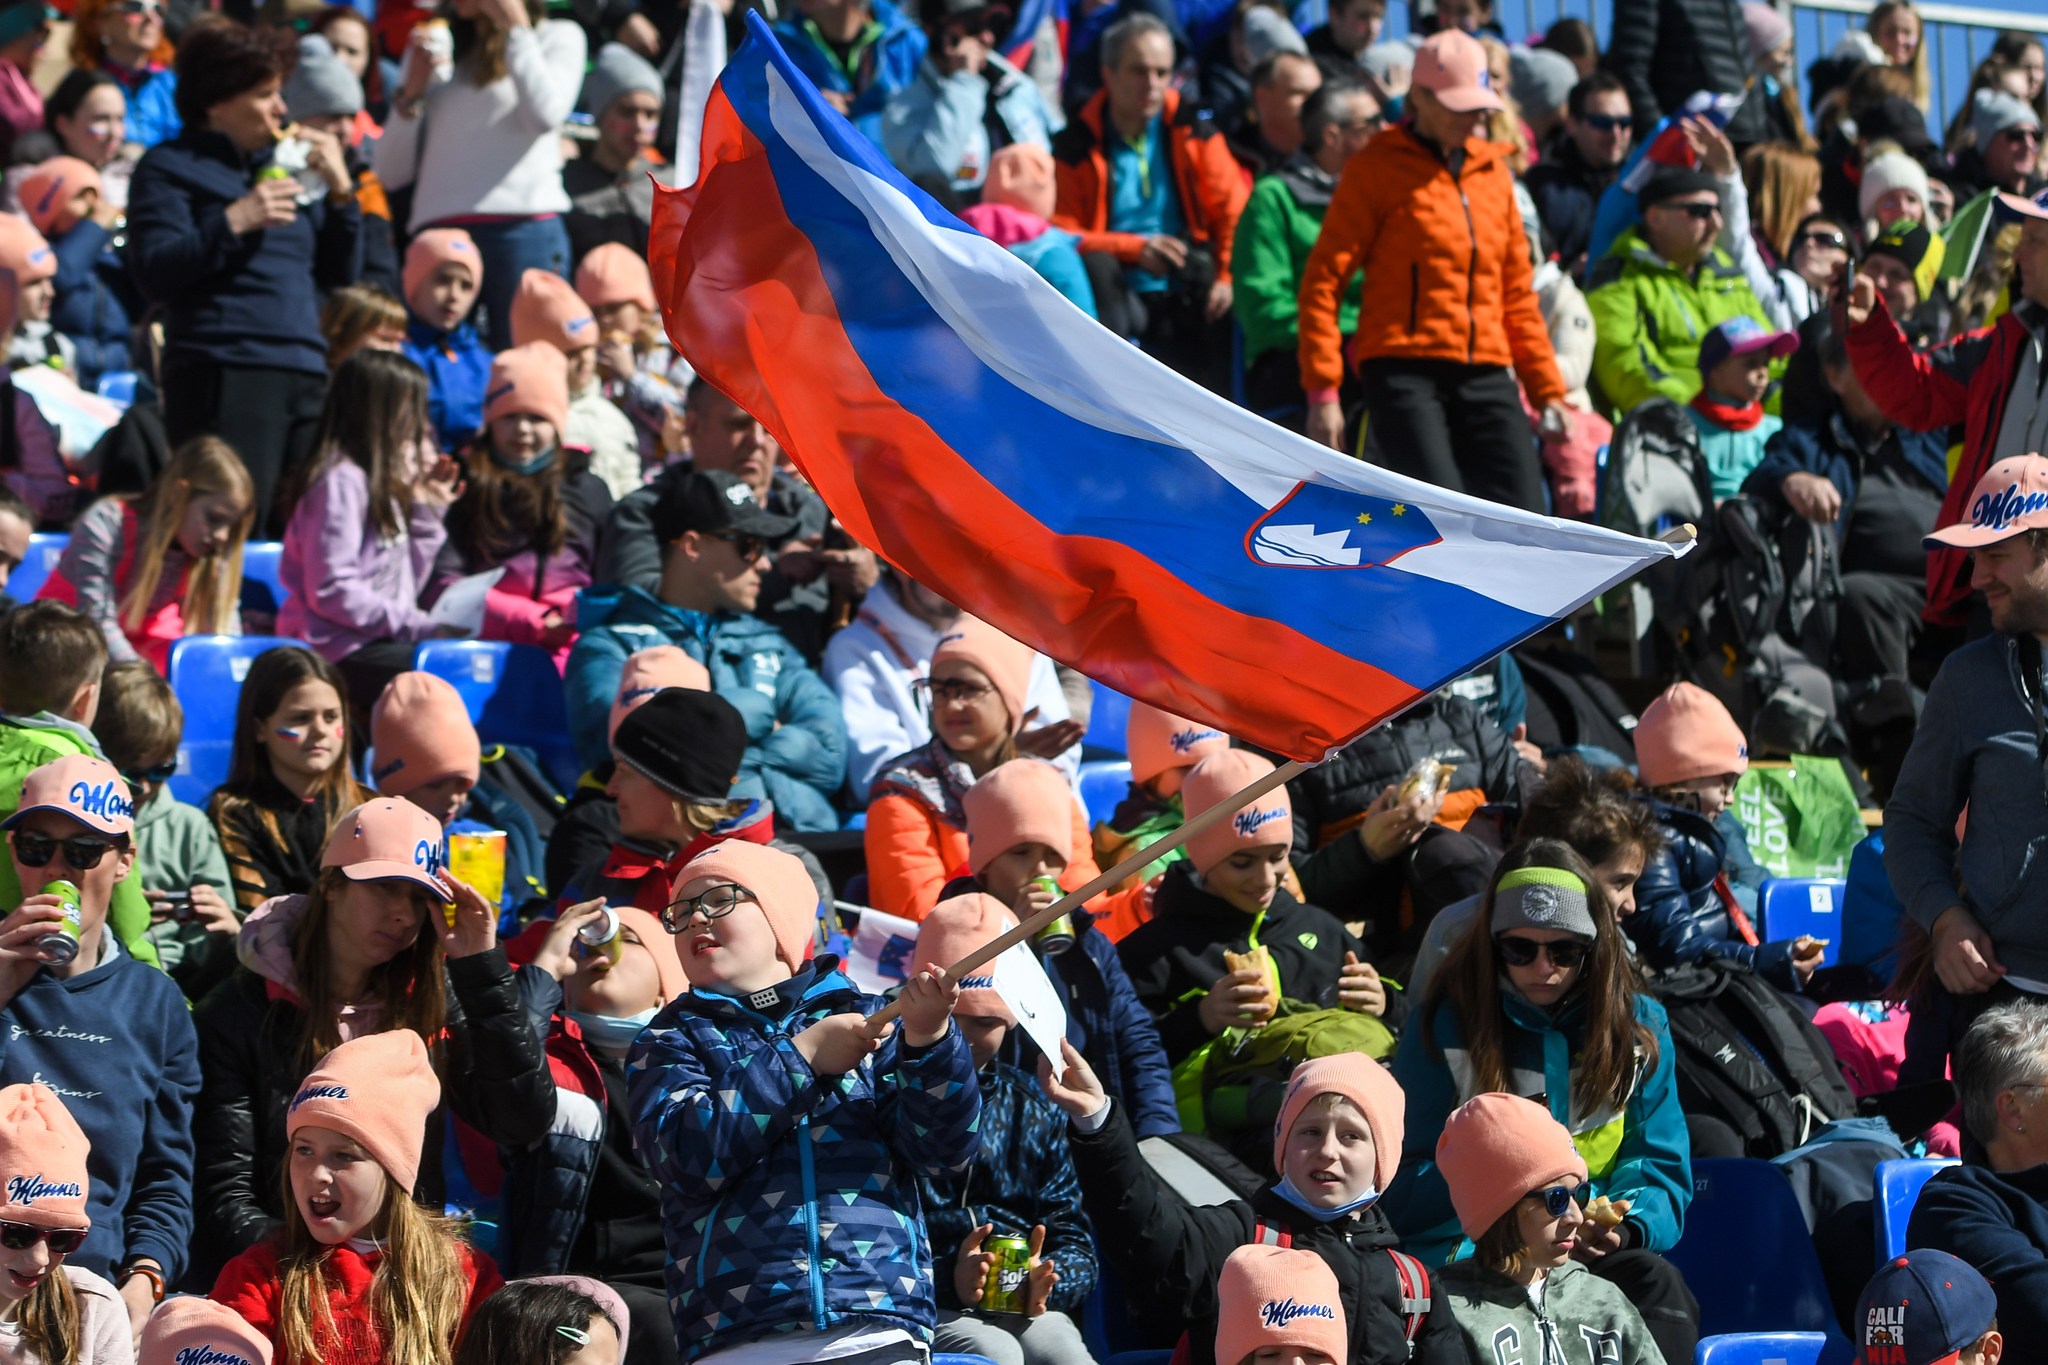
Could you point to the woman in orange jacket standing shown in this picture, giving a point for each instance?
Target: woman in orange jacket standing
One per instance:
(1427, 212)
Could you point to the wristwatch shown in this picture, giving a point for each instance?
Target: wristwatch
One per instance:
(148, 1272)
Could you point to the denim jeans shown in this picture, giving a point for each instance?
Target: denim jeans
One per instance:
(510, 247)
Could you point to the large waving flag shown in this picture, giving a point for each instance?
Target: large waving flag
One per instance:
(975, 429)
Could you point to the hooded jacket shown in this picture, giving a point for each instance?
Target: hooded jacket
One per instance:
(1665, 50)
(92, 302)
(883, 60)
(1275, 236)
(1998, 1222)
(1567, 190)
(1205, 175)
(249, 1029)
(346, 585)
(1680, 914)
(1167, 1253)
(796, 740)
(937, 127)
(1584, 1320)
(1640, 1153)
(458, 367)
(1447, 266)
(1649, 319)
(770, 1173)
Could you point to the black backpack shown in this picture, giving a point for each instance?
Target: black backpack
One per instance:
(1748, 1057)
(1571, 706)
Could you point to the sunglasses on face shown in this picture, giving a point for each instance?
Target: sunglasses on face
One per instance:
(162, 772)
(1697, 212)
(2022, 134)
(1556, 1199)
(748, 548)
(1517, 951)
(20, 1237)
(36, 850)
(136, 8)
(1608, 123)
(715, 903)
(1832, 240)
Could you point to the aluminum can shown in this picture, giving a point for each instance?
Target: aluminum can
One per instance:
(1008, 1289)
(60, 945)
(1058, 934)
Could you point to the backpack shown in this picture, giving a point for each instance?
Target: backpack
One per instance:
(1571, 707)
(1748, 1057)
(1236, 1079)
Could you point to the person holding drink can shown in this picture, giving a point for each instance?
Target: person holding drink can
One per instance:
(106, 1031)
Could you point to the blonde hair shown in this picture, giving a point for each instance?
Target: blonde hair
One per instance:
(1922, 88)
(705, 816)
(354, 312)
(1505, 123)
(417, 1293)
(203, 467)
(1780, 179)
(49, 1320)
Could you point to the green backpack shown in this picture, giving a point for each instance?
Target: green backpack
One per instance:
(1236, 1079)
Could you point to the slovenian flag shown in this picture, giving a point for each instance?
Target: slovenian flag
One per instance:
(975, 429)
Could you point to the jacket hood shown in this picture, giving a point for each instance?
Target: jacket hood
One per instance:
(635, 606)
(1632, 248)
(817, 983)
(1309, 183)
(267, 937)
(45, 720)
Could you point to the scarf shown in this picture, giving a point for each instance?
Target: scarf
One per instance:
(1728, 416)
(611, 1034)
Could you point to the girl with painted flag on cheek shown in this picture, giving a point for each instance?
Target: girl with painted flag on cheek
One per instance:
(50, 1313)
(361, 1274)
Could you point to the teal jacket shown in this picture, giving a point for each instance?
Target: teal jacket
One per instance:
(1649, 319)
(1641, 1154)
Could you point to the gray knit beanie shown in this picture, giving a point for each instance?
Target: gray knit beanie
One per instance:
(618, 70)
(320, 86)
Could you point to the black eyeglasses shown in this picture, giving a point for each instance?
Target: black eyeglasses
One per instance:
(953, 691)
(162, 772)
(1564, 954)
(747, 547)
(1556, 1199)
(35, 850)
(714, 903)
(1698, 212)
(1608, 123)
(20, 1237)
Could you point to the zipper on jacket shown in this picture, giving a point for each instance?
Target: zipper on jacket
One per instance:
(1471, 275)
(1414, 294)
(803, 1155)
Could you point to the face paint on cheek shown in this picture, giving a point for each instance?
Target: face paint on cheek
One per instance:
(289, 735)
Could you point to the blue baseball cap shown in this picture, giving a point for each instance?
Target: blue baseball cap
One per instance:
(2012, 208)
(1739, 336)
(1925, 1308)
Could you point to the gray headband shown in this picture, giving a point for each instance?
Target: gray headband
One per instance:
(1543, 898)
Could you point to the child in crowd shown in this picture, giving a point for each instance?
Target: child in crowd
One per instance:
(1696, 897)
(525, 510)
(1020, 830)
(51, 659)
(675, 758)
(186, 1329)
(51, 1313)
(1735, 375)
(17, 525)
(1926, 1308)
(1278, 1306)
(178, 857)
(916, 833)
(1021, 1185)
(360, 1274)
(766, 1083)
(1518, 1185)
(154, 569)
(553, 1320)
(1015, 213)
(547, 310)
(288, 775)
(1334, 1148)
(362, 539)
(641, 371)
(36, 341)
(1162, 748)
(35, 467)
(92, 292)
(361, 317)
(443, 274)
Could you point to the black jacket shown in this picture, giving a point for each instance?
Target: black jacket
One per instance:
(1567, 192)
(1176, 956)
(489, 1061)
(1665, 50)
(251, 299)
(1168, 1253)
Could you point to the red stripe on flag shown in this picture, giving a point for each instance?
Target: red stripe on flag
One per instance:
(744, 285)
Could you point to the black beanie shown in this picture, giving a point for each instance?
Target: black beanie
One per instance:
(688, 743)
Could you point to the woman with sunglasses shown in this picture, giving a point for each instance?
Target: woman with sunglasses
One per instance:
(1519, 1186)
(51, 1313)
(1540, 999)
(101, 1027)
(126, 40)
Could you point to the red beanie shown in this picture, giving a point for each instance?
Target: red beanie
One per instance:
(532, 379)
(1497, 1148)
(1366, 1084)
(955, 928)
(779, 881)
(1686, 734)
(1007, 663)
(47, 193)
(1277, 1296)
(614, 273)
(547, 309)
(1025, 801)
(24, 251)
(435, 248)
(379, 1090)
(42, 1160)
(1268, 820)
(421, 733)
(1159, 741)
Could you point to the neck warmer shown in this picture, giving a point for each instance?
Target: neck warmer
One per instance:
(611, 1034)
(1285, 1189)
(536, 465)
(1727, 416)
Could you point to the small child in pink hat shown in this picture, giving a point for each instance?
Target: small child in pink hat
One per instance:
(1278, 1306)
(1163, 748)
(51, 1311)
(546, 309)
(442, 277)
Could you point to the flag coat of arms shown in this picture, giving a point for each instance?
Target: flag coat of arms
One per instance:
(978, 431)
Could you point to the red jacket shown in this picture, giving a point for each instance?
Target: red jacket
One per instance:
(252, 1284)
(1212, 188)
(1966, 380)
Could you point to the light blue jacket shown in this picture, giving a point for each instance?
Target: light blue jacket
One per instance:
(884, 60)
(934, 127)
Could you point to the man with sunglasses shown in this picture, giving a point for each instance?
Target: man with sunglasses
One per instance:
(1579, 163)
(715, 538)
(109, 1034)
(2004, 154)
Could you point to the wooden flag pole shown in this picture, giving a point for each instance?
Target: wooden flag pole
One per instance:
(1074, 900)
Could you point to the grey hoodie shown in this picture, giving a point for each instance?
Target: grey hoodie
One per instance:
(1584, 1319)
(1978, 743)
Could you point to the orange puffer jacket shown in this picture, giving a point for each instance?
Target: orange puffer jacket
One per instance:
(1447, 272)
(1212, 188)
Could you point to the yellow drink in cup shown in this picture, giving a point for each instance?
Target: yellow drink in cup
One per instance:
(479, 861)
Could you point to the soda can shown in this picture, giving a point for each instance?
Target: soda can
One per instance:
(1057, 935)
(1008, 1288)
(601, 937)
(60, 945)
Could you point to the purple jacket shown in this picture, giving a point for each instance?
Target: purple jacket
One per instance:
(347, 587)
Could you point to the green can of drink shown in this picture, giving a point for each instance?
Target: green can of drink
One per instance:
(60, 945)
(1057, 935)
(1008, 1289)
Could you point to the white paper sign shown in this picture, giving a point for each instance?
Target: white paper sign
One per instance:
(461, 604)
(1025, 988)
(879, 960)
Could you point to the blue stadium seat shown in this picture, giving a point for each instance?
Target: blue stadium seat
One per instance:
(206, 672)
(45, 548)
(1737, 1207)
(1140, 1358)
(118, 386)
(1760, 1348)
(1898, 1187)
(514, 696)
(1790, 906)
(952, 1359)
(1103, 784)
(262, 589)
(1106, 721)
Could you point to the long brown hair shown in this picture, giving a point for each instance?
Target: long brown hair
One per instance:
(1780, 179)
(408, 990)
(417, 1292)
(1469, 980)
(503, 513)
(49, 1320)
(272, 675)
(376, 405)
(204, 466)
(480, 45)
